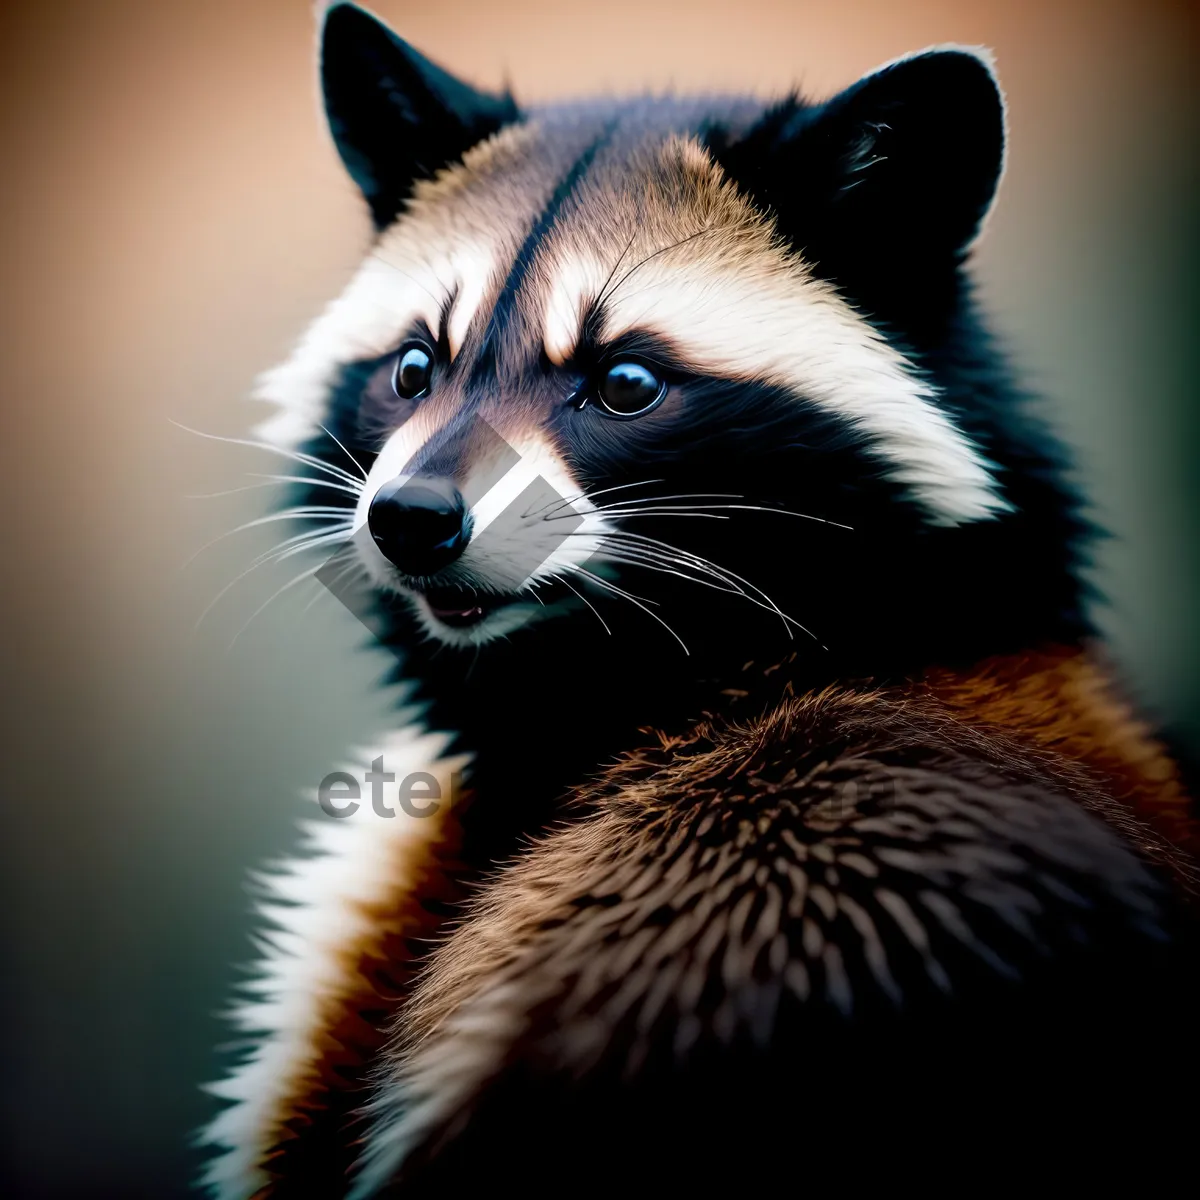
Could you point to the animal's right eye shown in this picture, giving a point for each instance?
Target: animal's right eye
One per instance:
(413, 371)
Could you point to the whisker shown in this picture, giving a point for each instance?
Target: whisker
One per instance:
(665, 512)
(299, 539)
(630, 558)
(668, 563)
(676, 496)
(691, 237)
(675, 509)
(302, 513)
(633, 600)
(585, 495)
(625, 507)
(357, 464)
(672, 563)
(352, 566)
(272, 479)
(675, 553)
(302, 542)
(628, 540)
(291, 583)
(566, 582)
(438, 300)
(307, 460)
(595, 305)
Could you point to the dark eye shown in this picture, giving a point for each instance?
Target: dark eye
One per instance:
(629, 389)
(414, 370)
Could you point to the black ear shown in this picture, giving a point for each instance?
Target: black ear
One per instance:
(894, 173)
(395, 116)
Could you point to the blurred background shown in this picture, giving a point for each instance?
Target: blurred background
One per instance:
(173, 215)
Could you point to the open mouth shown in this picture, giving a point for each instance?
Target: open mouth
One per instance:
(460, 608)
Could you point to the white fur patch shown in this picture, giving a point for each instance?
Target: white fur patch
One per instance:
(319, 907)
(534, 548)
(538, 538)
(441, 260)
(387, 295)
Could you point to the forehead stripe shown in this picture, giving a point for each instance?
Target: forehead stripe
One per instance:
(485, 364)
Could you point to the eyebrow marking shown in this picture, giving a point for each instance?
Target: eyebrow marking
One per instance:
(755, 315)
(585, 301)
(473, 273)
(502, 312)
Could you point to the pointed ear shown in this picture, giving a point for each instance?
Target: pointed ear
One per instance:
(395, 116)
(898, 170)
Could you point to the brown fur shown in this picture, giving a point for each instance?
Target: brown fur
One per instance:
(309, 1149)
(592, 951)
(1066, 701)
(1060, 725)
(532, 953)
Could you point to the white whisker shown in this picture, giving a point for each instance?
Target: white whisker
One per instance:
(673, 496)
(566, 583)
(351, 567)
(269, 480)
(291, 583)
(304, 541)
(633, 600)
(624, 508)
(589, 496)
(302, 513)
(307, 460)
(634, 558)
(716, 570)
(357, 464)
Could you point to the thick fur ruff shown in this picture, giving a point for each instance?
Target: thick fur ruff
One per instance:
(870, 883)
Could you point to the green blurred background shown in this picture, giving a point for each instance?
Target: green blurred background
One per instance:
(173, 214)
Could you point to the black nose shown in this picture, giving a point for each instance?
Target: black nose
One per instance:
(419, 524)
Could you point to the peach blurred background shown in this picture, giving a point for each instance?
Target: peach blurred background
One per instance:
(173, 215)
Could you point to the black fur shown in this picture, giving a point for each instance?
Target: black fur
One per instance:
(395, 116)
(484, 370)
(884, 186)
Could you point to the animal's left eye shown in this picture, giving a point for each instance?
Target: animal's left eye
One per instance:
(413, 371)
(629, 389)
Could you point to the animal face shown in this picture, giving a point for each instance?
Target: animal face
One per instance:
(710, 359)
